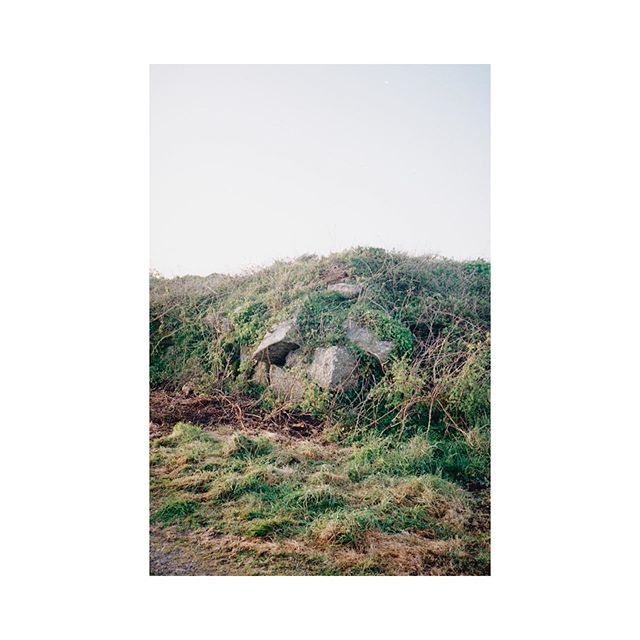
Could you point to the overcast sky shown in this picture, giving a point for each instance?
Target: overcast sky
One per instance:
(254, 163)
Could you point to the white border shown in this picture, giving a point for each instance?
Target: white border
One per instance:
(565, 169)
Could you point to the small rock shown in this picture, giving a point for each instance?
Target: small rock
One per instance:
(277, 344)
(261, 374)
(332, 368)
(334, 274)
(294, 360)
(211, 319)
(221, 324)
(188, 389)
(287, 384)
(346, 289)
(368, 341)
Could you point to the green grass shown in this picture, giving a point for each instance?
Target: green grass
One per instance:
(459, 458)
(324, 497)
(296, 483)
(174, 510)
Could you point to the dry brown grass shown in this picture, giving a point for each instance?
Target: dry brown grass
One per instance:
(210, 553)
(240, 502)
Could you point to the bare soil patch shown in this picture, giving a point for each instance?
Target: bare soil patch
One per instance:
(167, 409)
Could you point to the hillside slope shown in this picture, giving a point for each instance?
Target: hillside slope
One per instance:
(334, 409)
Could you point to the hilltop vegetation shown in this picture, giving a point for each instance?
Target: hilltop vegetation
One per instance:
(398, 465)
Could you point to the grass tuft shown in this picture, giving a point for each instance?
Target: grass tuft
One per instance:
(244, 447)
(175, 510)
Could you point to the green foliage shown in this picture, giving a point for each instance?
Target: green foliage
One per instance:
(269, 527)
(367, 261)
(464, 458)
(386, 455)
(234, 484)
(249, 322)
(316, 401)
(456, 457)
(179, 348)
(183, 433)
(175, 510)
(321, 317)
(436, 311)
(468, 393)
(385, 327)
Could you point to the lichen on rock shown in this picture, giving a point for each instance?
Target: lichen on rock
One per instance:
(333, 367)
(368, 341)
(278, 342)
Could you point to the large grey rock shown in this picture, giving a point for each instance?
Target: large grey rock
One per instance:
(368, 341)
(346, 289)
(333, 367)
(277, 344)
(288, 384)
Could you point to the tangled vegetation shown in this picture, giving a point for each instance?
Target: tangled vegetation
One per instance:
(404, 452)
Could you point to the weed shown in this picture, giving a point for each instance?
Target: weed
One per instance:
(249, 322)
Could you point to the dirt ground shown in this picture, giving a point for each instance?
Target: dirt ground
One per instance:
(166, 409)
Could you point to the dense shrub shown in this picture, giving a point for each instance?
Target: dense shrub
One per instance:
(436, 311)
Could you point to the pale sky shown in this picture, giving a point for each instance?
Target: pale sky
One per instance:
(253, 163)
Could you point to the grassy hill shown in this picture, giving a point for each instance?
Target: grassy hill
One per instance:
(389, 475)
